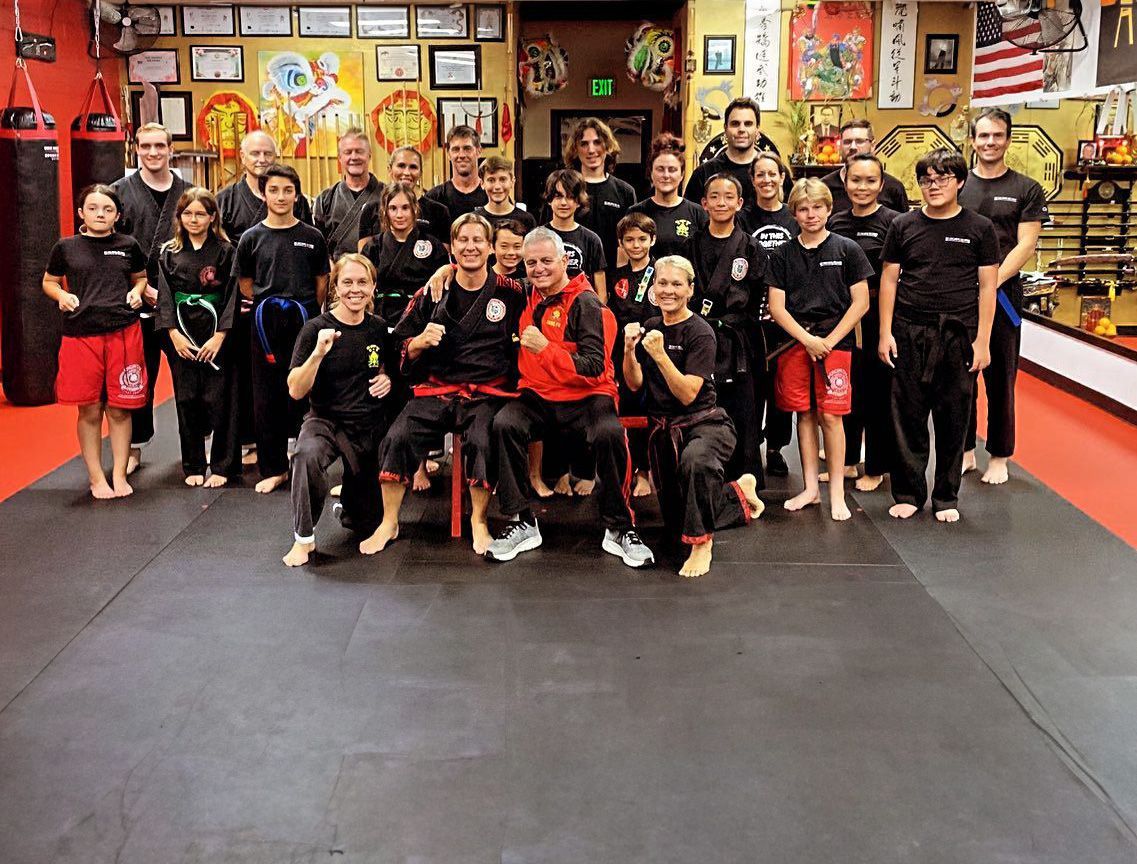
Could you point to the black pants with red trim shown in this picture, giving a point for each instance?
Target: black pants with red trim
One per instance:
(529, 417)
(693, 496)
(999, 382)
(320, 443)
(276, 415)
(739, 398)
(206, 400)
(872, 381)
(631, 405)
(425, 419)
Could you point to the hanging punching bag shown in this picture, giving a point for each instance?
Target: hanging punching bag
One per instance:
(97, 142)
(29, 226)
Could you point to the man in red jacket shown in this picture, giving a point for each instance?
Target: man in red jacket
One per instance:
(567, 383)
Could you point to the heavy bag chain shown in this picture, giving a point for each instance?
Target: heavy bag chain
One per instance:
(96, 14)
(19, 34)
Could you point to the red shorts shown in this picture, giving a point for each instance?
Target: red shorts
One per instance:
(106, 367)
(798, 374)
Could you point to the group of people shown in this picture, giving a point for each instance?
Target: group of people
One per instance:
(367, 328)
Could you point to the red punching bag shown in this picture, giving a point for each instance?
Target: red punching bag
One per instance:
(30, 324)
(97, 143)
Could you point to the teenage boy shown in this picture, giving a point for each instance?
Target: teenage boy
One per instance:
(497, 180)
(857, 137)
(463, 192)
(282, 265)
(566, 197)
(937, 304)
(1017, 206)
(339, 207)
(818, 292)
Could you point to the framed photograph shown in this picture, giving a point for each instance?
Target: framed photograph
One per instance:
(383, 22)
(266, 20)
(489, 23)
(825, 118)
(167, 21)
(397, 63)
(941, 53)
(1087, 150)
(441, 22)
(455, 68)
(208, 21)
(326, 21)
(159, 66)
(470, 112)
(217, 63)
(718, 55)
(175, 111)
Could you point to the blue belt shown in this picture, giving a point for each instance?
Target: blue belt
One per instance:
(282, 303)
(1009, 307)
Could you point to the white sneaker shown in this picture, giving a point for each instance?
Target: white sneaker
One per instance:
(628, 547)
(514, 538)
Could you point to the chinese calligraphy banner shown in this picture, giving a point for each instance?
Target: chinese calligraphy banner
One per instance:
(897, 54)
(762, 52)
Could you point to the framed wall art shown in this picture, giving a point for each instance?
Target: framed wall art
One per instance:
(217, 63)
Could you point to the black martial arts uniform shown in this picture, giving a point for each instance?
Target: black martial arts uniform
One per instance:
(871, 377)
(284, 263)
(935, 322)
(433, 219)
(585, 251)
(893, 195)
(460, 384)
(516, 214)
(690, 444)
(205, 397)
(148, 217)
(337, 214)
(1008, 201)
(402, 267)
(345, 422)
(457, 203)
(729, 292)
(631, 299)
(674, 225)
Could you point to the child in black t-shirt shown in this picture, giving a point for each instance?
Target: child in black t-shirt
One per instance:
(566, 196)
(818, 292)
(101, 365)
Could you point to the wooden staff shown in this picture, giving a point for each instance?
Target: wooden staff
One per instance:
(215, 131)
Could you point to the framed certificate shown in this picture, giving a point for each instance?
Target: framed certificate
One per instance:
(441, 22)
(469, 112)
(266, 20)
(217, 63)
(207, 21)
(175, 112)
(383, 22)
(397, 63)
(455, 68)
(333, 21)
(159, 66)
(489, 23)
(167, 21)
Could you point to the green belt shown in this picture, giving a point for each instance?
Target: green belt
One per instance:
(181, 297)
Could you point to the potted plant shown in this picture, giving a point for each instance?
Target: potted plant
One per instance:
(795, 118)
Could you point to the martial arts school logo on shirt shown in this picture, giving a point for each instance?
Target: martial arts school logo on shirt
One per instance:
(303, 245)
(495, 310)
(964, 240)
(575, 257)
(372, 356)
(207, 276)
(829, 264)
(682, 227)
(739, 267)
(651, 296)
(771, 237)
(838, 383)
(555, 318)
(423, 249)
(130, 381)
(621, 289)
(117, 252)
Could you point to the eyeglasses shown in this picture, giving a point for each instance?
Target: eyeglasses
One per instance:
(939, 182)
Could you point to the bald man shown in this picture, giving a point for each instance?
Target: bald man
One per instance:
(241, 202)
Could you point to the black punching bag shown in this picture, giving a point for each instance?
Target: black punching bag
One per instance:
(97, 144)
(29, 226)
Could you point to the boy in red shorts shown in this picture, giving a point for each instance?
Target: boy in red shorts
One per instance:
(102, 369)
(818, 292)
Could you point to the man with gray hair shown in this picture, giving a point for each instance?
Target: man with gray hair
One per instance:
(241, 203)
(338, 208)
(567, 383)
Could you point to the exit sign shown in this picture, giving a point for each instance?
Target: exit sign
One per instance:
(601, 88)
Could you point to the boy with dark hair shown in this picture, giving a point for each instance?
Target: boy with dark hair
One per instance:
(937, 303)
(566, 196)
(497, 179)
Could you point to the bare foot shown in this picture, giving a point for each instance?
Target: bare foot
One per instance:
(133, 461)
(996, 472)
(642, 487)
(432, 467)
(378, 541)
(839, 510)
(101, 489)
(482, 537)
(421, 481)
(698, 562)
(216, 481)
(195, 480)
(968, 461)
(803, 499)
(336, 490)
(539, 487)
(949, 515)
(271, 484)
(583, 488)
(748, 483)
(902, 511)
(121, 487)
(564, 486)
(298, 554)
(869, 483)
(850, 474)
(249, 457)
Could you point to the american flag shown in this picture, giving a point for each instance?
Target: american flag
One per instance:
(1000, 68)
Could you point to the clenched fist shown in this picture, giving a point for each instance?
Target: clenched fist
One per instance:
(633, 333)
(533, 339)
(431, 336)
(653, 344)
(324, 341)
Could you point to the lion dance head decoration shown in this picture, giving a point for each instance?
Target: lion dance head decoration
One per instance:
(300, 89)
(651, 57)
(543, 67)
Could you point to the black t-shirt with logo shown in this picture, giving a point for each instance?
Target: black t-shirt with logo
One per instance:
(585, 251)
(457, 203)
(939, 262)
(674, 225)
(771, 228)
(868, 232)
(340, 391)
(893, 195)
(817, 281)
(690, 345)
(1008, 200)
(98, 271)
(283, 261)
(608, 203)
(517, 214)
